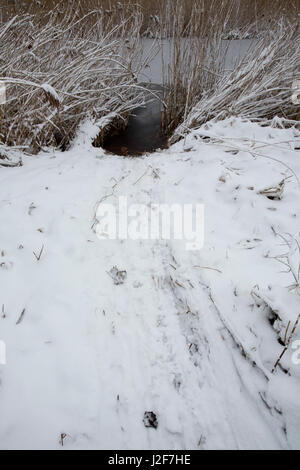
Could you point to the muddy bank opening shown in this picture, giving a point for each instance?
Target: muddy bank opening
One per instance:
(177, 83)
(143, 132)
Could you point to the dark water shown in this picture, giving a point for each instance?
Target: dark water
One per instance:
(143, 132)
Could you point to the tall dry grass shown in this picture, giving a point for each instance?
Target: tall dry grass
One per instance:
(90, 63)
(194, 58)
(258, 88)
(257, 13)
(89, 53)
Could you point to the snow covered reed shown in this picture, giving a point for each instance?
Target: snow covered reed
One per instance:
(61, 69)
(196, 54)
(74, 63)
(259, 87)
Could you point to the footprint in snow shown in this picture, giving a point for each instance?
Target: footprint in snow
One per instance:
(150, 420)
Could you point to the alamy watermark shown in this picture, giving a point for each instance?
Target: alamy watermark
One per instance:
(2, 93)
(157, 221)
(296, 93)
(296, 354)
(2, 353)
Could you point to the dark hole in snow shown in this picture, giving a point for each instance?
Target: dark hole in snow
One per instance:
(143, 132)
(150, 420)
(61, 140)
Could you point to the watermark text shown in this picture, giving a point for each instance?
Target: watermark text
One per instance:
(154, 222)
(2, 353)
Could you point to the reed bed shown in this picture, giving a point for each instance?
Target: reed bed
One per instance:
(195, 56)
(62, 69)
(257, 13)
(197, 85)
(259, 87)
(65, 62)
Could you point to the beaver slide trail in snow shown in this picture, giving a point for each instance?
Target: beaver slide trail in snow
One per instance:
(182, 337)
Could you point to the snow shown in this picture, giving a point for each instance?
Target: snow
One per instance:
(187, 335)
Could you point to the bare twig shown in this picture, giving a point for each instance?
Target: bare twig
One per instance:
(21, 317)
(207, 267)
(38, 257)
(287, 344)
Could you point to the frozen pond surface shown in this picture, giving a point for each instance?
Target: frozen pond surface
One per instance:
(153, 73)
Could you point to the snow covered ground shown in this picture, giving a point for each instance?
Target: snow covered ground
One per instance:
(189, 335)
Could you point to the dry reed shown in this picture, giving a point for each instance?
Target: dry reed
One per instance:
(66, 62)
(257, 13)
(259, 87)
(62, 69)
